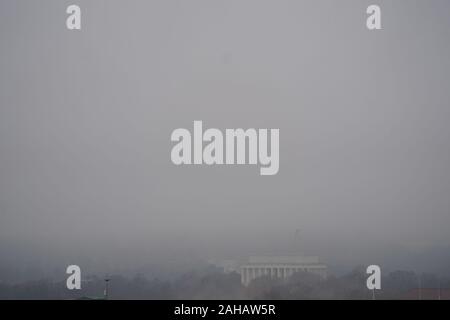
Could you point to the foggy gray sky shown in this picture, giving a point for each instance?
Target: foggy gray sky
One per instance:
(86, 118)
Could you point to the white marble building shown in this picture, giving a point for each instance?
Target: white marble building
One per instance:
(280, 267)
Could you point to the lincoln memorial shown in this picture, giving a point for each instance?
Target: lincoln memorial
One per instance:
(280, 267)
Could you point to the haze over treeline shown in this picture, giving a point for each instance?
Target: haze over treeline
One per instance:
(187, 255)
(86, 118)
(212, 283)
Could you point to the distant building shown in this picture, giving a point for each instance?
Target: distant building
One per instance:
(227, 266)
(280, 267)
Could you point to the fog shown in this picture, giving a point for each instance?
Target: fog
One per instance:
(86, 118)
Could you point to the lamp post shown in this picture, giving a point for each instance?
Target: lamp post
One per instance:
(106, 293)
